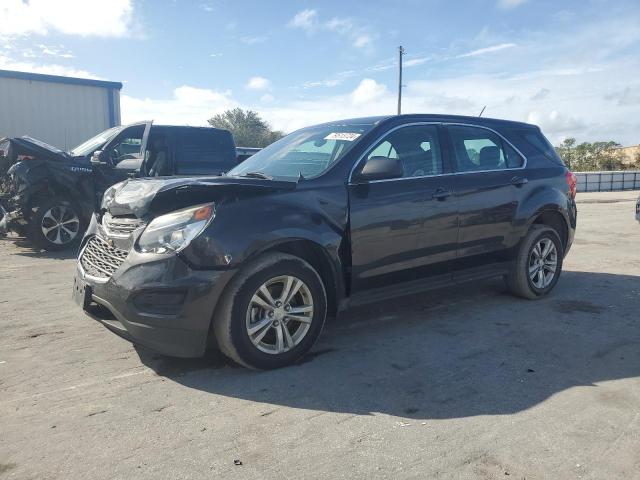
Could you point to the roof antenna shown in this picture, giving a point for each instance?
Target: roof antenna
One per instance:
(482, 111)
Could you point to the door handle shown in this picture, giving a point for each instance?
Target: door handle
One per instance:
(519, 181)
(441, 194)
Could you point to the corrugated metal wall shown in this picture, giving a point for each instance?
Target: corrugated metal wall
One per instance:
(60, 114)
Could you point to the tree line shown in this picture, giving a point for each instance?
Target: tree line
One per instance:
(595, 156)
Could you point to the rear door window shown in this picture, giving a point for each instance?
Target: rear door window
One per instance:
(477, 149)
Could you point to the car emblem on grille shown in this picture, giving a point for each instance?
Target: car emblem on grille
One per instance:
(110, 242)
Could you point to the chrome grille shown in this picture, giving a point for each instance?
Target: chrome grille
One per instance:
(122, 226)
(101, 260)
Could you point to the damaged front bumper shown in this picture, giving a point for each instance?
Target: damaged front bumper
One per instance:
(158, 301)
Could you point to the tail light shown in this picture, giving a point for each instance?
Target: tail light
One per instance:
(572, 183)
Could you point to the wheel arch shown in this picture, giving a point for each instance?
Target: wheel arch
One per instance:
(555, 220)
(545, 206)
(318, 257)
(47, 189)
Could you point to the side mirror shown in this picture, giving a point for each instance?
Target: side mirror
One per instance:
(99, 158)
(381, 168)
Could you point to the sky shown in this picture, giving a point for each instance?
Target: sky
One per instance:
(571, 67)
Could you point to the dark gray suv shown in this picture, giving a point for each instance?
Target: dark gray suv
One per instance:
(330, 216)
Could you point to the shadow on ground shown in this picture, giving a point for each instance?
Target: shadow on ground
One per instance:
(448, 354)
(27, 249)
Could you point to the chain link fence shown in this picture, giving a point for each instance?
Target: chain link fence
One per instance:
(608, 181)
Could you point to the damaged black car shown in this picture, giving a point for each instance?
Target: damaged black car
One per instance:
(330, 216)
(49, 195)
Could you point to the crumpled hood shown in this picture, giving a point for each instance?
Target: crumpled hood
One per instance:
(13, 150)
(149, 197)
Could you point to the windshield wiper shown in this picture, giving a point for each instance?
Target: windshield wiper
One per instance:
(261, 175)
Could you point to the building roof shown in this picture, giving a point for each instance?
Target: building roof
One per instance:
(39, 77)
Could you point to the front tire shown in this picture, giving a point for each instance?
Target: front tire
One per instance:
(272, 312)
(56, 224)
(537, 267)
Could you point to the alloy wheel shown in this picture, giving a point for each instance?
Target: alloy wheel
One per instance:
(543, 263)
(60, 225)
(279, 315)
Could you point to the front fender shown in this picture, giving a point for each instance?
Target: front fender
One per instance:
(32, 180)
(245, 227)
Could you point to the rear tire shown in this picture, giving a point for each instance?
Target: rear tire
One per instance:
(56, 224)
(537, 267)
(272, 312)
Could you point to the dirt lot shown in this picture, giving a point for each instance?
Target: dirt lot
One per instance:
(451, 384)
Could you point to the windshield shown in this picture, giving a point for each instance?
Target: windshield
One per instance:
(95, 143)
(308, 152)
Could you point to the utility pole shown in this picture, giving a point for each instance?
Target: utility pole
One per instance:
(400, 54)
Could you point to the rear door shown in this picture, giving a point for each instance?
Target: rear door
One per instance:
(488, 188)
(403, 229)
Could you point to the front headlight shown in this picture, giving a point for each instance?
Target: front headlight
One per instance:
(174, 231)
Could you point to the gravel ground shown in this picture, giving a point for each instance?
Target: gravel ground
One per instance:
(463, 383)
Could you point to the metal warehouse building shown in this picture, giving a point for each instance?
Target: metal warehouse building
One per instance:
(61, 111)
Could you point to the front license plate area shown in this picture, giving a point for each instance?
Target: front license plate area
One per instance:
(81, 293)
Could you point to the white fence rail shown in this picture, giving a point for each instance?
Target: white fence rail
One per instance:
(608, 181)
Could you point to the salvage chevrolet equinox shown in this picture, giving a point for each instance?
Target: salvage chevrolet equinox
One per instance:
(329, 216)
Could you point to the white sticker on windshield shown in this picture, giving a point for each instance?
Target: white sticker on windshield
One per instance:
(346, 136)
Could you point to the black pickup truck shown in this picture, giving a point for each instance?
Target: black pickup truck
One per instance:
(48, 195)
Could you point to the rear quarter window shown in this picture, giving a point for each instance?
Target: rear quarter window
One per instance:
(533, 141)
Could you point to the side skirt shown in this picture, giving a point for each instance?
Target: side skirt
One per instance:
(424, 284)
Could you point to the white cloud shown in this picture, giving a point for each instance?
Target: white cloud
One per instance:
(55, 51)
(541, 94)
(627, 96)
(253, 40)
(586, 87)
(189, 106)
(507, 4)
(309, 21)
(257, 83)
(304, 19)
(340, 25)
(7, 63)
(589, 116)
(332, 82)
(483, 51)
(111, 18)
(413, 62)
(362, 41)
(367, 91)
(554, 122)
